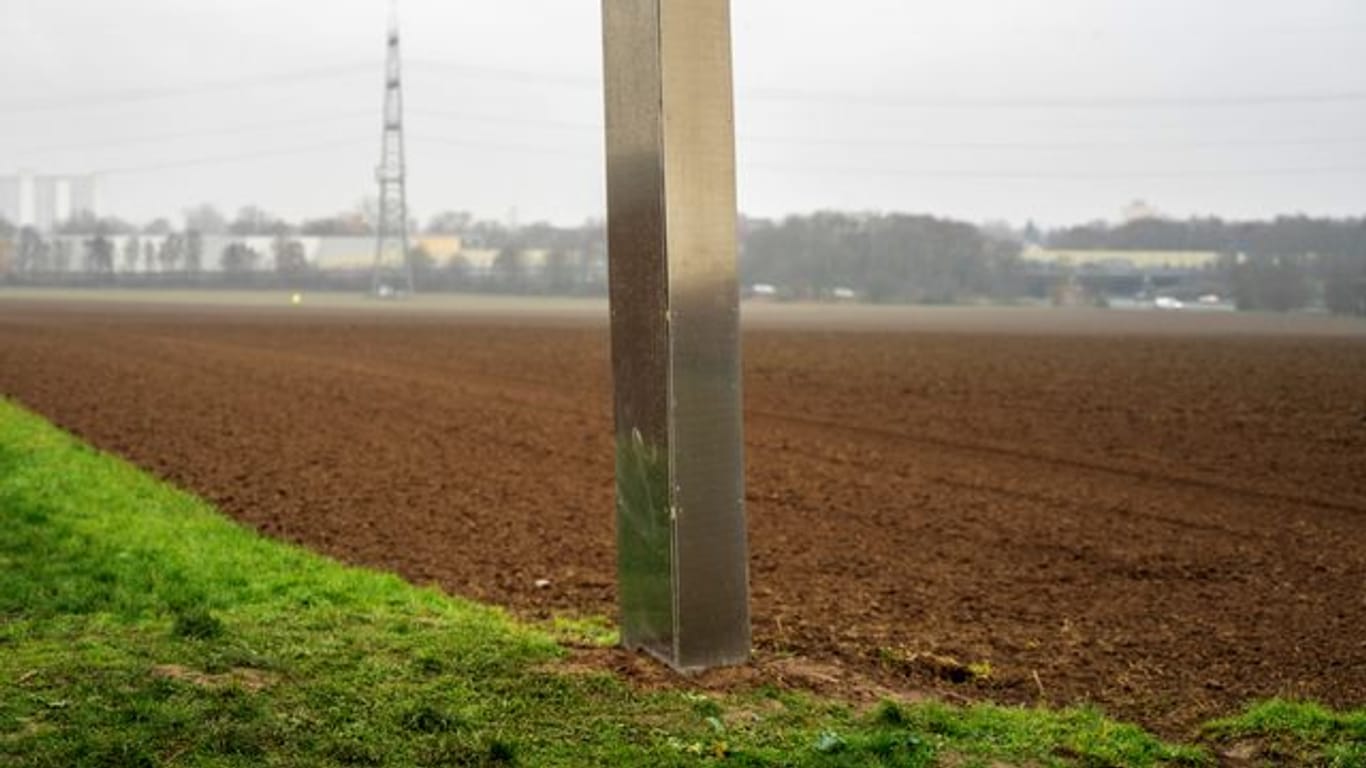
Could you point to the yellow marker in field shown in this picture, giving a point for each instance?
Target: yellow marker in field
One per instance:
(296, 299)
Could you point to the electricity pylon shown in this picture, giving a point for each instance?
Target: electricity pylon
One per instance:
(393, 267)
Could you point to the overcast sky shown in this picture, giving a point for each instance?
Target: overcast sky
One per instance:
(1060, 111)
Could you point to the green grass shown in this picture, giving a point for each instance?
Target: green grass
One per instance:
(139, 627)
(1296, 733)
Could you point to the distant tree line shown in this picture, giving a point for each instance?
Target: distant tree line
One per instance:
(883, 258)
(83, 251)
(571, 260)
(1283, 264)
(1287, 263)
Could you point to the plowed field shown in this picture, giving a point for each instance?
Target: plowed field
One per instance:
(1165, 525)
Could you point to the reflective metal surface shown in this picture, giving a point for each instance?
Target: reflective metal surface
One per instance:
(682, 556)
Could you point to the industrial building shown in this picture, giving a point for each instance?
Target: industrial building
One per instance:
(45, 201)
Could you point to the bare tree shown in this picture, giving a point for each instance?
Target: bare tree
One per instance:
(194, 251)
(253, 221)
(132, 250)
(450, 223)
(290, 258)
(33, 252)
(99, 254)
(238, 258)
(205, 219)
(61, 255)
(158, 227)
(172, 252)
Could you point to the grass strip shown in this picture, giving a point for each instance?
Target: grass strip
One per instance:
(1280, 732)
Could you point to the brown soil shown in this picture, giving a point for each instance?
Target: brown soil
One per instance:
(1165, 526)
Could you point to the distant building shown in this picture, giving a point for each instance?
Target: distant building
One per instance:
(44, 202)
(1120, 261)
(144, 253)
(1076, 276)
(351, 253)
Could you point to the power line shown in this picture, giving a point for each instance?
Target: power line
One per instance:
(942, 173)
(220, 159)
(925, 173)
(498, 146)
(806, 141)
(802, 169)
(134, 95)
(506, 119)
(524, 148)
(461, 69)
(930, 143)
(755, 139)
(938, 173)
(1295, 98)
(231, 131)
(1305, 98)
(1298, 98)
(1057, 145)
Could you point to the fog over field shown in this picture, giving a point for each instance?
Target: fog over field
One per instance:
(461, 309)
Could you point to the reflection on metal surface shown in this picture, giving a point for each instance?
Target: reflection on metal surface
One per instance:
(644, 544)
(682, 556)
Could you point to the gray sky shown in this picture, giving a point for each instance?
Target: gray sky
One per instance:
(1061, 111)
